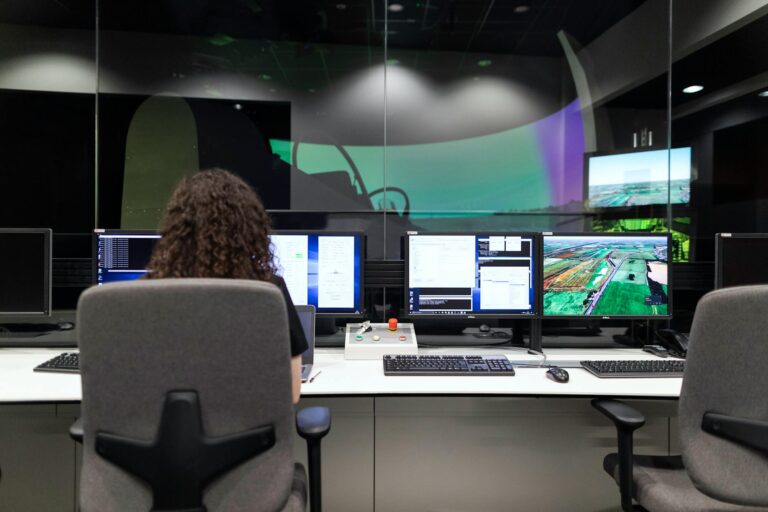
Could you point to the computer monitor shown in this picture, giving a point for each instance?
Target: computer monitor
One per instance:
(607, 275)
(121, 255)
(25, 272)
(323, 269)
(739, 259)
(639, 178)
(471, 275)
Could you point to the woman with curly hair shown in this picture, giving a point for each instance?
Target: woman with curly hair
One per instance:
(215, 226)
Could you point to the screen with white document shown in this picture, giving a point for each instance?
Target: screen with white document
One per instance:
(322, 269)
(472, 274)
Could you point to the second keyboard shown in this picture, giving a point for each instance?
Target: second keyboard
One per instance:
(491, 365)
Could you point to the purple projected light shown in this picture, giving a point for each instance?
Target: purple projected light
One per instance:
(561, 143)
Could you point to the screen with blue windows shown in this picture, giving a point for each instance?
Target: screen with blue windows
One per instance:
(122, 255)
(321, 269)
(491, 274)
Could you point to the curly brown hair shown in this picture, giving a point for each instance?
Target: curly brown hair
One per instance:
(214, 226)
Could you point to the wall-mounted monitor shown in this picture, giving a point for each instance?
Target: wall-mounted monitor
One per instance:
(606, 275)
(739, 259)
(323, 269)
(320, 268)
(25, 272)
(471, 274)
(639, 178)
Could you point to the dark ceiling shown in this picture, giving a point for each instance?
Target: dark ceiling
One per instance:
(729, 60)
(519, 27)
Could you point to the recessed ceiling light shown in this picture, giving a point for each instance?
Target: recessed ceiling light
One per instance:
(237, 106)
(395, 7)
(341, 7)
(520, 9)
(484, 63)
(693, 89)
(763, 94)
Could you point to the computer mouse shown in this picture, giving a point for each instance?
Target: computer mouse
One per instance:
(66, 326)
(558, 374)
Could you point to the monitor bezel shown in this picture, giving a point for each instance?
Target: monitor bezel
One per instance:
(670, 277)
(47, 272)
(535, 272)
(95, 245)
(641, 207)
(719, 260)
(324, 313)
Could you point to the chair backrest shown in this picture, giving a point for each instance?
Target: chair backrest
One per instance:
(726, 372)
(226, 339)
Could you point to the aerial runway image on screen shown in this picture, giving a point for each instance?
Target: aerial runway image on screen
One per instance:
(605, 275)
(640, 178)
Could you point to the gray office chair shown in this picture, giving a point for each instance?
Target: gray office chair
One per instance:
(187, 400)
(723, 417)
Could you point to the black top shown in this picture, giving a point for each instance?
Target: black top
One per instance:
(298, 340)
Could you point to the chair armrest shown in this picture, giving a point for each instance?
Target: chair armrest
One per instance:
(621, 414)
(627, 420)
(313, 422)
(76, 430)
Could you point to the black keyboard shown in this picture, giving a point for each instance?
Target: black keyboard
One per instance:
(654, 368)
(448, 365)
(68, 362)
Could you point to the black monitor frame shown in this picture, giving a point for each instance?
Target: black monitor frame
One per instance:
(720, 260)
(95, 245)
(536, 274)
(670, 284)
(47, 271)
(361, 295)
(649, 209)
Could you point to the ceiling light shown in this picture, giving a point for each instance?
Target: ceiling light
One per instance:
(693, 89)
(395, 7)
(237, 106)
(341, 7)
(484, 63)
(763, 94)
(520, 9)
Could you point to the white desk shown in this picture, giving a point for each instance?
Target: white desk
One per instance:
(340, 377)
(398, 444)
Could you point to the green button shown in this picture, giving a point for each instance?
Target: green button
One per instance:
(359, 337)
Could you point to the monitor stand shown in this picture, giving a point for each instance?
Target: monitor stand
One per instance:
(325, 326)
(25, 330)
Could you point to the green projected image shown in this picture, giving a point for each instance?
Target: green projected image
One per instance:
(597, 275)
(640, 193)
(681, 241)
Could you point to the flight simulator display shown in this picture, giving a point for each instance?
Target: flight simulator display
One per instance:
(491, 274)
(639, 178)
(322, 269)
(606, 275)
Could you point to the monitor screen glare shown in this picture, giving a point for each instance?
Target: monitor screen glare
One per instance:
(598, 275)
(474, 274)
